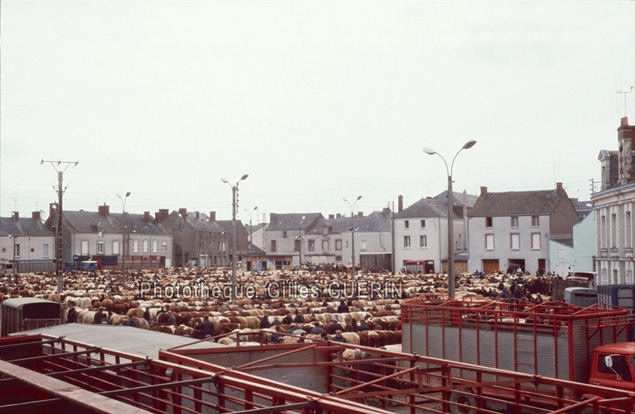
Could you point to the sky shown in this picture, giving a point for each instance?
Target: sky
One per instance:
(316, 100)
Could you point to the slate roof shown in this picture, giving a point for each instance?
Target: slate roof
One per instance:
(292, 221)
(226, 225)
(426, 207)
(25, 227)
(565, 242)
(88, 222)
(255, 250)
(516, 203)
(376, 222)
(458, 198)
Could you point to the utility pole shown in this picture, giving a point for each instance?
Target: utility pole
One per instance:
(234, 235)
(126, 234)
(60, 195)
(352, 234)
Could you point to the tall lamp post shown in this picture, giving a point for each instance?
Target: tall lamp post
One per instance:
(451, 279)
(234, 208)
(125, 233)
(251, 239)
(352, 206)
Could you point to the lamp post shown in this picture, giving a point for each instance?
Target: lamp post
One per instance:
(352, 234)
(125, 233)
(14, 265)
(251, 239)
(451, 280)
(234, 208)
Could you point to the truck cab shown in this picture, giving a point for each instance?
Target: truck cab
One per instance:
(614, 366)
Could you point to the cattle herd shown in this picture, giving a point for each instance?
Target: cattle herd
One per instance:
(176, 300)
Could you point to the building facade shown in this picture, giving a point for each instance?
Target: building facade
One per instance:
(511, 231)
(25, 240)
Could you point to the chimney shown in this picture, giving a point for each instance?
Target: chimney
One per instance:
(105, 209)
(36, 215)
(331, 216)
(161, 215)
(625, 136)
(338, 215)
(360, 214)
(386, 211)
(16, 215)
(271, 217)
(183, 212)
(483, 190)
(400, 204)
(198, 215)
(212, 215)
(146, 216)
(558, 188)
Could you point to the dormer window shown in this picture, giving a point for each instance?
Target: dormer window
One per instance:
(325, 230)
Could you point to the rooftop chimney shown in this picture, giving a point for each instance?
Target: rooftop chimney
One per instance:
(483, 190)
(146, 216)
(400, 204)
(198, 215)
(386, 211)
(16, 215)
(331, 216)
(360, 214)
(338, 215)
(558, 188)
(625, 136)
(183, 212)
(161, 215)
(36, 215)
(105, 209)
(212, 215)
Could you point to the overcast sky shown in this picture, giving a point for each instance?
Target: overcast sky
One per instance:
(316, 101)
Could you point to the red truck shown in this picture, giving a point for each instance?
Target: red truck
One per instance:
(554, 339)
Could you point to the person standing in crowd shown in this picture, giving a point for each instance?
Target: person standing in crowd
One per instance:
(205, 328)
(71, 317)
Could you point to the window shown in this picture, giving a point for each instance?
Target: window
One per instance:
(620, 366)
(155, 246)
(535, 241)
(84, 247)
(603, 232)
(296, 246)
(406, 224)
(406, 241)
(338, 244)
(273, 246)
(489, 242)
(613, 230)
(16, 251)
(629, 277)
(115, 247)
(164, 246)
(146, 246)
(423, 241)
(514, 221)
(363, 246)
(605, 276)
(100, 247)
(628, 230)
(514, 241)
(325, 245)
(284, 234)
(311, 245)
(45, 250)
(489, 222)
(135, 246)
(535, 221)
(423, 224)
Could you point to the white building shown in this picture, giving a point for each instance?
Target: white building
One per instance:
(614, 206)
(25, 239)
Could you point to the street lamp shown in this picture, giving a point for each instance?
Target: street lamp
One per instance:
(125, 233)
(251, 239)
(352, 234)
(451, 280)
(234, 208)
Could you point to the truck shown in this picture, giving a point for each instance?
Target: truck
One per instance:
(553, 339)
(23, 314)
(622, 296)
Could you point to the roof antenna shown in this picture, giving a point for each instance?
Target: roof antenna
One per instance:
(624, 93)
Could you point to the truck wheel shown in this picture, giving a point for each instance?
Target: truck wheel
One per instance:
(465, 399)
